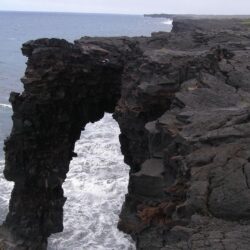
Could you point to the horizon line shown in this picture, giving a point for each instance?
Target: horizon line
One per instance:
(72, 12)
(125, 14)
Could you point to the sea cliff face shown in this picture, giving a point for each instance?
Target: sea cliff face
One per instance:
(181, 100)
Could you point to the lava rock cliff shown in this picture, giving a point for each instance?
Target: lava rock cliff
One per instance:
(182, 101)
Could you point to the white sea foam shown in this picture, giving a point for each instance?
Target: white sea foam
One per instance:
(95, 189)
(168, 21)
(3, 105)
(5, 191)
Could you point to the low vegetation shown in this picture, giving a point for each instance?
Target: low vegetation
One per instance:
(246, 21)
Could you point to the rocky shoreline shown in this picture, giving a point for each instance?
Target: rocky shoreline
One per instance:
(181, 100)
(197, 16)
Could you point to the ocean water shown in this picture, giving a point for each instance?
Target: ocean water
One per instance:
(97, 180)
(95, 187)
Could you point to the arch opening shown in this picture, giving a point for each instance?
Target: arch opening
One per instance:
(95, 188)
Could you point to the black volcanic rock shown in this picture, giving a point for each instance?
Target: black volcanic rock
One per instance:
(181, 100)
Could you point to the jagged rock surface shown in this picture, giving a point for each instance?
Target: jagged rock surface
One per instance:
(181, 100)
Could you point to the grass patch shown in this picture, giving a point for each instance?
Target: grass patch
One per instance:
(246, 22)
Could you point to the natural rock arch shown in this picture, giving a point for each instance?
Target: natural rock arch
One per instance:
(65, 88)
(181, 100)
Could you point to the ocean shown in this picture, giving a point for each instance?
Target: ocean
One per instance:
(98, 178)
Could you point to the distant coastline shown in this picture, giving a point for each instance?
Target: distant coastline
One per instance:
(194, 16)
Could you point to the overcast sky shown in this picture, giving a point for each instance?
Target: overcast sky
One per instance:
(131, 6)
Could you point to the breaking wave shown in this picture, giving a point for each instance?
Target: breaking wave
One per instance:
(168, 22)
(5, 191)
(2, 105)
